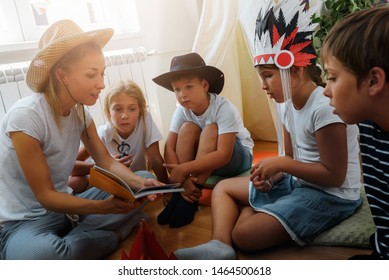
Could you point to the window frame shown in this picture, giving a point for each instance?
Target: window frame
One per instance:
(21, 9)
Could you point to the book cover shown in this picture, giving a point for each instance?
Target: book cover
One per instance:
(113, 184)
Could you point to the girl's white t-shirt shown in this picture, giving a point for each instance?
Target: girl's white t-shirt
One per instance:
(140, 139)
(316, 114)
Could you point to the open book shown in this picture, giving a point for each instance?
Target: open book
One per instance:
(113, 184)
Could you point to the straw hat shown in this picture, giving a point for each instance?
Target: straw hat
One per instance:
(192, 64)
(58, 39)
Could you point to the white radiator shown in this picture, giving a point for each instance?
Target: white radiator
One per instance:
(121, 64)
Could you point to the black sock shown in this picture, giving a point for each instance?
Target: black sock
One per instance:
(184, 212)
(164, 217)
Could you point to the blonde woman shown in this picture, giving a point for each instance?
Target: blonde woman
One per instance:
(39, 140)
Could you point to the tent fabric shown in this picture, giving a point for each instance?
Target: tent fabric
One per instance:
(225, 39)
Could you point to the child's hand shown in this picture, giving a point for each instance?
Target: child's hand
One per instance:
(266, 168)
(149, 182)
(177, 172)
(262, 185)
(192, 193)
(126, 159)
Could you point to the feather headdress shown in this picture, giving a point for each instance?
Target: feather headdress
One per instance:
(284, 37)
(284, 34)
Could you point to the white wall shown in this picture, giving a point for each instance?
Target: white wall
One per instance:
(165, 25)
(169, 27)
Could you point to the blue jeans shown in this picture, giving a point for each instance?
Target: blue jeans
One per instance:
(53, 237)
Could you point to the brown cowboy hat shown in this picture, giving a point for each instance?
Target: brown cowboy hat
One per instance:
(58, 39)
(192, 64)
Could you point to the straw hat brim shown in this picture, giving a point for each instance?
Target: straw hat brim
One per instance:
(213, 75)
(40, 66)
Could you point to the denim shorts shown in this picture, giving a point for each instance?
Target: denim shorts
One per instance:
(303, 211)
(240, 162)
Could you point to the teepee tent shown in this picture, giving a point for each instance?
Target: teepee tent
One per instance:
(225, 39)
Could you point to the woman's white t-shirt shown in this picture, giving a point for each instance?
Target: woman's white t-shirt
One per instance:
(33, 116)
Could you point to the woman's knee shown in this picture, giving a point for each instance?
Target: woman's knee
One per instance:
(78, 183)
(145, 174)
(35, 249)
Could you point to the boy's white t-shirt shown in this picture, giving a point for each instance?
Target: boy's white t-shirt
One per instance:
(32, 116)
(139, 140)
(221, 112)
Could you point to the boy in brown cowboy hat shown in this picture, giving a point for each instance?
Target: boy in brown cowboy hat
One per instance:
(39, 139)
(206, 136)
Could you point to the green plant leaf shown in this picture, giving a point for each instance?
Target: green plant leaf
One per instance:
(337, 9)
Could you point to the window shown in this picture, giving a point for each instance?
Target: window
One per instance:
(24, 21)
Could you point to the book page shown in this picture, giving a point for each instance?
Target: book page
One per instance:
(111, 183)
(158, 188)
(113, 177)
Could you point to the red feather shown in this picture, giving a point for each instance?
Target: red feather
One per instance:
(289, 38)
(276, 36)
(298, 47)
(303, 59)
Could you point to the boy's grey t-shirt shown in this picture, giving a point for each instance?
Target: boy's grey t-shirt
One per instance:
(32, 116)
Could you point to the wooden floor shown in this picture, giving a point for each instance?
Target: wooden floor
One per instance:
(199, 231)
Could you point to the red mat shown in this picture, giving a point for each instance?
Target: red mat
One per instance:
(261, 155)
